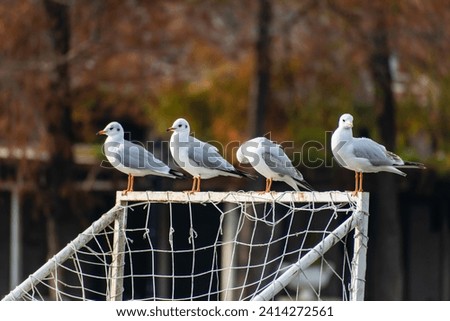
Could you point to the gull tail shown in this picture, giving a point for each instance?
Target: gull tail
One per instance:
(177, 174)
(305, 185)
(412, 165)
(245, 174)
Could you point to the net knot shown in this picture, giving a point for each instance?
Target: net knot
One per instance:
(192, 235)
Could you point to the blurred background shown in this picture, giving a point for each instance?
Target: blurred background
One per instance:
(235, 69)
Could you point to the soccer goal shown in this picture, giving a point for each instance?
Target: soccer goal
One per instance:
(213, 246)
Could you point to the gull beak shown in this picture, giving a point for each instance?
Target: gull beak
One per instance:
(170, 129)
(350, 124)
(102, 132)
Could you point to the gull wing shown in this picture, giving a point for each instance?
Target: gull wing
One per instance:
(207, 155)
(375, 153)
(137, 157)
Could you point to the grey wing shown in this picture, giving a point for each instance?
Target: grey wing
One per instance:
(277, 161)
(375, 153)
(207, 155)
(137, 157)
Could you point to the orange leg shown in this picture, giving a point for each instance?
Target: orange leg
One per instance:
(360, 182)
(129, 185)
(269, 185)
(356, 184)
(198, 184)
(194, 186)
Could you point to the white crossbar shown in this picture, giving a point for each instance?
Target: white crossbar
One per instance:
(237, 197)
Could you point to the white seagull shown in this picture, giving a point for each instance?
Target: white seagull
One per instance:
(269, 159)
(132, 159)
(363, 155)
(198, 158)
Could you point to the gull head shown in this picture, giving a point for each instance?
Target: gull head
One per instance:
(346, 121)
(180, 125)
(240, 156)
(247, 152)
(113, 129)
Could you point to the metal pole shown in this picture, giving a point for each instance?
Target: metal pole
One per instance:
(15, 256)
(118, 255)
(361, 238)
(445, 261)
(228, 274)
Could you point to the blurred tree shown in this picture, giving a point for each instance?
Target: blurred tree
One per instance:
(260, 85)
(56, 189)
(388, 258)
(259, 98)
(373, 37)
(69, 67)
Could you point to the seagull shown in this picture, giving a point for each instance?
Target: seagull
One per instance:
(269, 159)
(363, 155)
(198, 158)
(132, 159)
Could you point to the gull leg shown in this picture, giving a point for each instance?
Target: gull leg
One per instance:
(198, 184)
(194, 186)
(360, 182)
(129, 185)
(356, 184)
(269, 185)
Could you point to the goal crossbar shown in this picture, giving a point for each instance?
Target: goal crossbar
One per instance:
(237, 197)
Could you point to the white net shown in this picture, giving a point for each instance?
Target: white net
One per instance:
(212, 246)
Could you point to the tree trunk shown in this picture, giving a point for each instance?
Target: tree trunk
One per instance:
(258, 100)
(260, 86)
(56, 186)
(387, 277)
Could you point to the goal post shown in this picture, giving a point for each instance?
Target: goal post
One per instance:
(227, 262)
(22, 290)
(118, 254)
(359, 261)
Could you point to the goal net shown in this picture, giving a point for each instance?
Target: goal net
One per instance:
(213, 246)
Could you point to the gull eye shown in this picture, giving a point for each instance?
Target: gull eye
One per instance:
(118, 129)
(185, 126)
(111, 128)
(179, 125)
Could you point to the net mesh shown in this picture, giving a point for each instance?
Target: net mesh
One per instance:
(206, 249)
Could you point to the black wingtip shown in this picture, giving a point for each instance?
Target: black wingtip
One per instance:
(177, 174)
(305, 185)
(245, 174)
(414, 165)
